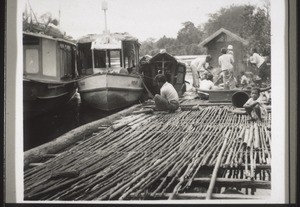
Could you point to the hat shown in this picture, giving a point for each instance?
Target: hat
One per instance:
(229, 47)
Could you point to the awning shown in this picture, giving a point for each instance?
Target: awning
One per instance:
(106, 42)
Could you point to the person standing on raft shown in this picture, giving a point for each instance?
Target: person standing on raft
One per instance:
(199, 66)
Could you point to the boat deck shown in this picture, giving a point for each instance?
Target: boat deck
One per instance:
(203, 151)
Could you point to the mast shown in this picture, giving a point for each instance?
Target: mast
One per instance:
(59, 16)
(104, 8)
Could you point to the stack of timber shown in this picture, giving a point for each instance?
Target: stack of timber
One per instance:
(207, 153)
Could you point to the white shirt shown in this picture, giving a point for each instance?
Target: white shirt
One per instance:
(245, 80)
(206, 85)
(257, 59)
(168, 92)
(199, 63)
(226, 61)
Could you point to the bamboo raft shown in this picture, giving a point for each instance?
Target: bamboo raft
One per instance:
(199, 152)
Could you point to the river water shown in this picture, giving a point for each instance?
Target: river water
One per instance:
(42, 129)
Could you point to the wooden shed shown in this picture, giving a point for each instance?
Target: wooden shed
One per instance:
(222, 38)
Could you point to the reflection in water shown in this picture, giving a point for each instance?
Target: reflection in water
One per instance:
(42, 129)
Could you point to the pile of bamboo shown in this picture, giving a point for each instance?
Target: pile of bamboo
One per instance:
(146, 155)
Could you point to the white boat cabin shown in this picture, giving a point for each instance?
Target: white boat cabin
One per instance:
(47, 58)
(107, 53)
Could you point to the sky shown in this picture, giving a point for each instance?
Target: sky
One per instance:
(141, 18)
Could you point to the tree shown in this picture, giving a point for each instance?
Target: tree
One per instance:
(257, 28)
(227, 18)
(249, 22)
(147, 47)
(165, 42)
(189, 34)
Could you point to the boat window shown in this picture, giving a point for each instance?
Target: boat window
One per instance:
(100, 59)
(129, 54)
(115, 58)
(30, 40)
(31, 60)
(49, 57)
(65, 61)
(84, 57)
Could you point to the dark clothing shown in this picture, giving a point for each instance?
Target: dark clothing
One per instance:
(263, 71)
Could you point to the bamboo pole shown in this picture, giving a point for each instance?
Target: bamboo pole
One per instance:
(215, 171)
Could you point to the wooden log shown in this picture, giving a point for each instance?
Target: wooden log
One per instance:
(64, 174)
(251, 163)
(60, 143)
(231, 182)
(190, 196)
(242, 133)
(145, 111)
(246, 136)
(250, 139)
(256, 137)
(216, 168)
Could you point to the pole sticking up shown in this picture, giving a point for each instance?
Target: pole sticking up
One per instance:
(104, 8)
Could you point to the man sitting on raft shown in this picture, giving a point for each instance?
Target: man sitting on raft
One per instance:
(168, 99)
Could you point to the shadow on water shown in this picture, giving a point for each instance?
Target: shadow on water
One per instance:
(42, 129)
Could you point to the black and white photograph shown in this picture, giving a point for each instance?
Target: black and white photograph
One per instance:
(149, 101)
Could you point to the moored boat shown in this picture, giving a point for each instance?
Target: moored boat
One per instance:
(166, 64)
(49, 76)
(109, 74)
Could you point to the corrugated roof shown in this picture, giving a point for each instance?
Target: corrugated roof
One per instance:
(217, 33)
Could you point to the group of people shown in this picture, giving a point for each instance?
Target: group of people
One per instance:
(168, 99)
(201, 69)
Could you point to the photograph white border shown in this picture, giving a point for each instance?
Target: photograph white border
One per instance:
(14, 108)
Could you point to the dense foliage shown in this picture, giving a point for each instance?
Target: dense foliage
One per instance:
(247, 21)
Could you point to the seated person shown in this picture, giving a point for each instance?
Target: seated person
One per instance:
(123, 71)
(206, 83)
(132, 70)
(168, 99)
(245, 81)
(254, 107)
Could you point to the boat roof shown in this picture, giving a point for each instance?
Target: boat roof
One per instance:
(49, 37)
(165, 54)
(106, 40)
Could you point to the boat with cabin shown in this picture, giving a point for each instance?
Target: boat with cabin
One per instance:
(164, 63)
(108, 69)
(49, 72)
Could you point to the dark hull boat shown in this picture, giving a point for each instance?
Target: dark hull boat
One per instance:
(49, 77)
(166, 64)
